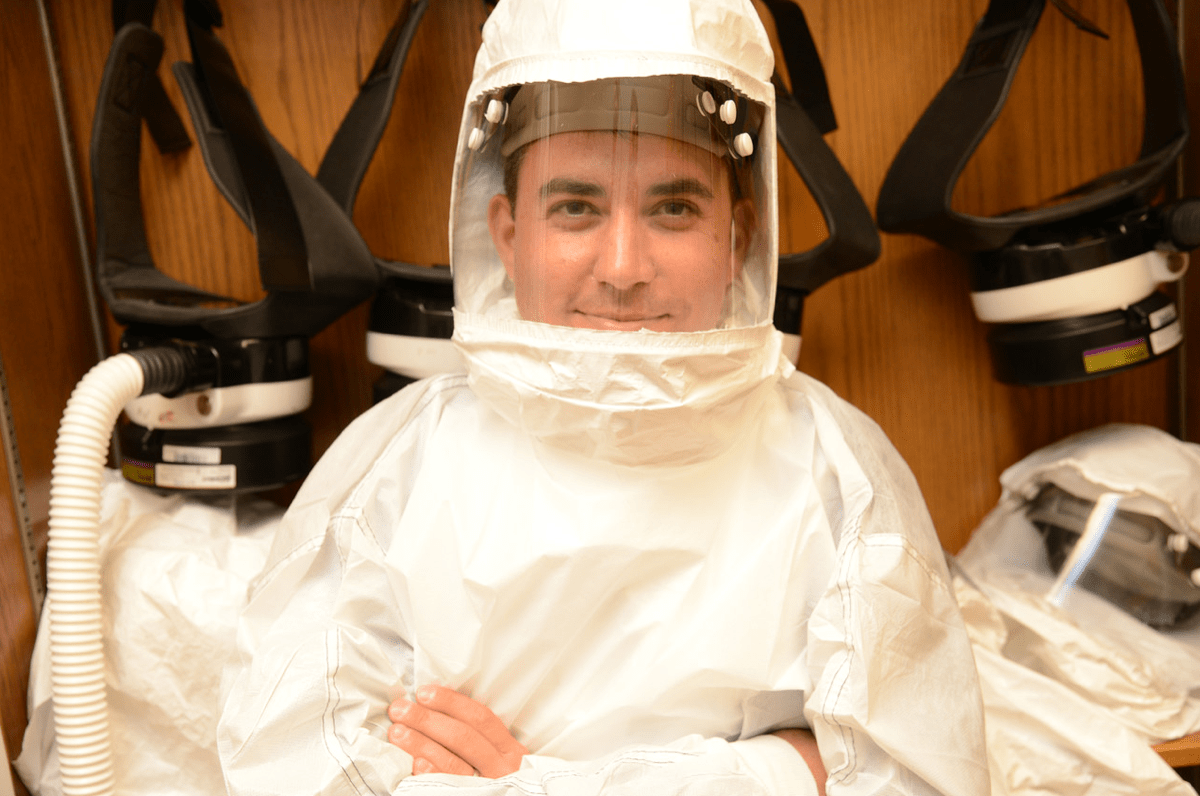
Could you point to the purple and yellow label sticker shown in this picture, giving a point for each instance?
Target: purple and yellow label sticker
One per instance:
(138, 472)
(1116, 356)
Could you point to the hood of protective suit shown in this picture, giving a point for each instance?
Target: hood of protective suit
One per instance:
(627, 396)
(1154, 472)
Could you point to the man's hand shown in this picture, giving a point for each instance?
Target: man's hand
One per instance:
(449, 733)
(805, 743)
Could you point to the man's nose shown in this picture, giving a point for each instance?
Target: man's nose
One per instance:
(623, 260)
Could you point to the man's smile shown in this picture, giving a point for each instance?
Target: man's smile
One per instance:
(619, 319)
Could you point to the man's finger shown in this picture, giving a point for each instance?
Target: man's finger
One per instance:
(428, 755)
(455, 736)
(473, 714)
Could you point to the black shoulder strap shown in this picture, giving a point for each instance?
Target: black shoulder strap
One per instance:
(282, 257)
(806, 73)
(349, 154)
(917, 191)
(125, 270)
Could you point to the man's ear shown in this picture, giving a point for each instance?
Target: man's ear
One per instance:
(744, 221)
(503, 229)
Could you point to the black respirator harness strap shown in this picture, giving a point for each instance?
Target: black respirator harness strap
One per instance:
(312, 261)
(166, 128)
(282, 256)
(350, 152)
(917, 192)
(128, 279)
(803, 115)
(353, 146)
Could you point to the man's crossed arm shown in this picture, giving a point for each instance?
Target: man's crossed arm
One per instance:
(450, 733)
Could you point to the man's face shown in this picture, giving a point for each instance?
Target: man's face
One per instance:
(618, 231)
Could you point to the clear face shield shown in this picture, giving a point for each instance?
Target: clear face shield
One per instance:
(617, 204)
(1135, 561)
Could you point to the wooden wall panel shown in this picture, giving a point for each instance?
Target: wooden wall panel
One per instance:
(45, 341)
(1190, 181)
(17, 626)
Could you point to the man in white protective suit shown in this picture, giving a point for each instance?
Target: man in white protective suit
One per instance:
(630, 549)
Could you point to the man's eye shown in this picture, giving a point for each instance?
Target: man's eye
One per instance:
(676, 214)
(573, 208)
(676, 208)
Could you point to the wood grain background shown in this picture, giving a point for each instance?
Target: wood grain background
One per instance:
(899, 339)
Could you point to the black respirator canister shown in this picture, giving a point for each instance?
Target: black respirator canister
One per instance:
(1070, 288)
(237, 427)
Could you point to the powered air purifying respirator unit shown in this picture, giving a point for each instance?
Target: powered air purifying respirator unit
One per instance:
(411, 316)
(234, 424)
(214, 386)
(1071, 287)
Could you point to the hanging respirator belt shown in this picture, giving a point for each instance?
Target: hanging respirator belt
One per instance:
(803, 116)
(312, 261)
(917, 191)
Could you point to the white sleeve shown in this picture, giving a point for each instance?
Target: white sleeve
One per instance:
(896, 705)
(778, 765)
(691, 766)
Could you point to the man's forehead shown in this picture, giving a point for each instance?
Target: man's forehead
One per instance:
(623, 146)
(669, 186)
(571, 160)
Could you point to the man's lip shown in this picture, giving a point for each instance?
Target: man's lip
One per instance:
(622, 320)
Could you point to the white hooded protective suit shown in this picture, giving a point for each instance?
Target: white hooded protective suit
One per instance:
(642, 550)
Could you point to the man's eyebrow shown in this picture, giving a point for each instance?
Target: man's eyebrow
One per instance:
(684, 186)
(567, 185)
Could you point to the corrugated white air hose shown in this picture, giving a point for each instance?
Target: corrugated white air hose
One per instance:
(73, 559)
